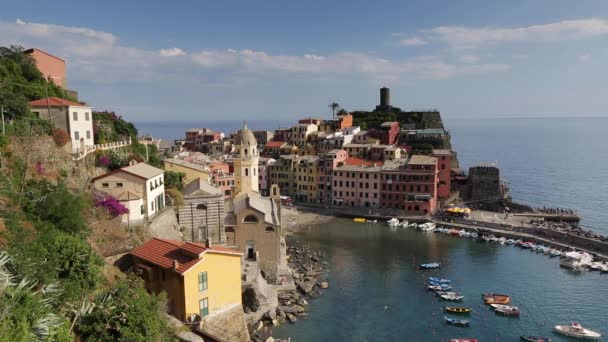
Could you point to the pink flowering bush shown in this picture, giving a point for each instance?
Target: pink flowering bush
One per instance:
(105, 161)
(40, 170)
(111, 204)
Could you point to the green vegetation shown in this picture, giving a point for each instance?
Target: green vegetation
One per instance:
(109, 127)
(416, 119)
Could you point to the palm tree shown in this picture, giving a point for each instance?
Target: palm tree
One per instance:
(334, 106)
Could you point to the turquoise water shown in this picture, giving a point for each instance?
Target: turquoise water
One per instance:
(372, 267)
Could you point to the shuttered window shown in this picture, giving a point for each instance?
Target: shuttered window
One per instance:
(204, 307)
(202, 281)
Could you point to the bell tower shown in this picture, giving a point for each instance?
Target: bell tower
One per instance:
(246, 162)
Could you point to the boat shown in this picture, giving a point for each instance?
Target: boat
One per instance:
(439, 287)
(393, 222)
(504, 307)
(576, 260)
(372, 221)
(359, 220)
(502, 240)
(555, 253)
(413, 225)
(454, 296)
(507, 310)
(534, 339)
(439, 280)
(426, 227)
(457, 322)
(474, 235)
(429, 266)
(463, 340)
(457, 309)
(404, 224)
(510, 242)
(493, 298)
(576, 330)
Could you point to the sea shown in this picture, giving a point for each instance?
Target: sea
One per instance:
(376, 291)
(551, 162)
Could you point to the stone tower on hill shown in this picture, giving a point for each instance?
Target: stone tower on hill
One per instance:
(246, 162)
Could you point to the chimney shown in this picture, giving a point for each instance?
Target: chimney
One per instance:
(207, 243)
(175, 265)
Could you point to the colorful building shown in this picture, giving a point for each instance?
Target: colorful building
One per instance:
(356, 183)
(52, 67)
(444, 159)
(263, 174)
(305, 179)
(327, 163)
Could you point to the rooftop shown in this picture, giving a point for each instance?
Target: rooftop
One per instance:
(162, 253)
(55, 102)
(425, 131)
(28, 51)
(187, 164)
(199, 187)
(275, 144)
(442, 152)
(417, 159)
(141, 170)
(389, 123)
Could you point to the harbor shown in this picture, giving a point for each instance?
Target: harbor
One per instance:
(379, 292)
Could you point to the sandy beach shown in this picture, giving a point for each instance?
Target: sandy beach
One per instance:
(295, 219)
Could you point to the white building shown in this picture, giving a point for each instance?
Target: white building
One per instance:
(74, 118)
(139, 187)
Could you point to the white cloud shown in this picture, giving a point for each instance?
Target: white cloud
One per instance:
(172, 52)
(586, 57)
(414, 41)
(471, 37)
(469, 58)
(99, 57)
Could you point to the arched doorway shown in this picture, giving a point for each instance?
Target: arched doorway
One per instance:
(230, 236)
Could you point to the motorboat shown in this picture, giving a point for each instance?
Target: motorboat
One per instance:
(555, 253)
(504, 307)
(393, 222)
(439, 287)
(404, 224)
(534, 339)
(463, 340)
(576, 260)
(457, 322)
(576, 330)
(439, 280)
(598, 266)
(429, 266)
(507, 310)
(413, 225)
(372, 221)
(493, 298)
(426, 227)
(457, 309)
(474, 235)
(359, 220)
(510, 242)
(453, 296)
(502, 240)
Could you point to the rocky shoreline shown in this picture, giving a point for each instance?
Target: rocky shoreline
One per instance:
(309, 270)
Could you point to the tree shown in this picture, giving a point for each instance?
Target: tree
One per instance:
(334, 107)
(63, 209)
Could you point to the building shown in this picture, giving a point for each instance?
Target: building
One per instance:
(282, 173)
(263, 137)
(273, 148)
(281, 134)
(74, 118)
(202, 282)
(327, 163)
(202, 216)
(410, 185)
(310, 121)
(305, 179)
(433, 136)
(358, 150)
(299, 134)
(385, 100)
(444, 159)
(387, 133)
(139, 187)
(263, 175)
(246, 160)
(52, 67)
(191, 170)
(224, 181)
(339, 123)
(356, 183)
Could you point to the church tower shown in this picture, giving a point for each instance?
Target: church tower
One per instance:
(246, 162)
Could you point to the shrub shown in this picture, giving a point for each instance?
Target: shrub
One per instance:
(110, 203)
(60, 137)
(63, 209)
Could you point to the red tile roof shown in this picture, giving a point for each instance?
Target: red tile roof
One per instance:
(352, 161)
(54, 102)
(275, 144)
(162, 253)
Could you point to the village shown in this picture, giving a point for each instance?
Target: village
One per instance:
(215, 237)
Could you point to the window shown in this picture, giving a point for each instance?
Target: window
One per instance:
(204, 307)
(104, 185)
(76, 135)
(119, 185)
(142, 209)
(152, 205)
(75, 116)
(250, 219)
(86, 116)
(246, 172)
(202, 281)
(269, 229)
(89, 136)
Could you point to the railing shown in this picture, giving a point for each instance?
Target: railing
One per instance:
(100, 147)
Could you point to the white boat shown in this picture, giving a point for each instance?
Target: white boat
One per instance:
(426, 227)
(462, 232)
(502, 240)
(404, 224)
(474, 235)
(555, 253)
(576, 260)
(393, 222)
(577, 331)
(510, 241)
(450, 295)
(413, 225)
(504, 307)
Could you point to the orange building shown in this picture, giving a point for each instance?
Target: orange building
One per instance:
(52, 67)
(444, 160)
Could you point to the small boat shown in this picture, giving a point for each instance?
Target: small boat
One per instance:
(474, 235)
(413, 225)
(576, 330)
(510, 242)
(430, 265)
(404, 224)
(555, 253)
(453, 296)
(493, 298)
(426, 227)
(507, 310)
(372, 221)
(439, 287)
(534, 339)
(359, 220)
(463, 340)
(457, 309)
(576, 260)
(457, 322)
(393, 222)
(453, 231)
(439, 280)
(502, 240)
(504, 307)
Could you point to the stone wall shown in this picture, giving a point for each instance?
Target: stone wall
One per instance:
(207, 222)
(484, 183)
(164, 225)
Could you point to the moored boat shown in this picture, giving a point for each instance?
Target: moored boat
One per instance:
(507, 311)
(534, 339)
(576, 330)
(457, 322)
(494, 298)
(576, 260)
(453, 296)
(457, 309)
(439, 287)
(394, 222)
(431, 265)
(463, 340)
(439, 280)
(359, 220)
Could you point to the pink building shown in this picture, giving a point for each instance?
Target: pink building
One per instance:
(356, 183)
(444, 160)
(52, 67)
(223, 181)
(327, 163)
(410, 185)
(263, 164)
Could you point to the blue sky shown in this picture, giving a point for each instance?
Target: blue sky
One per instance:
(204, 60)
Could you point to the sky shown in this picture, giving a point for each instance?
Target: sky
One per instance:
(208, 60)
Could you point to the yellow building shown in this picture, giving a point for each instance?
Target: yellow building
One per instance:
(200, 280)
(191, 170)
(305, 179)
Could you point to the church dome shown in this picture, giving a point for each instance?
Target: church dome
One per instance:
(244, 137)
